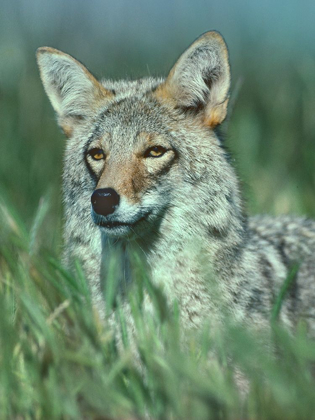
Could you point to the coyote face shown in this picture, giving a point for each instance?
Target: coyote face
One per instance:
(130, 158)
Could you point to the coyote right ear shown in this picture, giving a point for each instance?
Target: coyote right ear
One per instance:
(200, 80)
(73, 91)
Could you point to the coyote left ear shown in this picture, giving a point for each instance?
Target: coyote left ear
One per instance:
(200, 80)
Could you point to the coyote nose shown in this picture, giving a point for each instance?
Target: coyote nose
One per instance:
(104, 201)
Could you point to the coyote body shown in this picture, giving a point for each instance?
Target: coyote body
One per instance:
(161, 182)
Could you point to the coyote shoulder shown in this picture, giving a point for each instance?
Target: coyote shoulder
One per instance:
(145, 168)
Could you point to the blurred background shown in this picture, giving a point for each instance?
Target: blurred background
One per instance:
(271, 126)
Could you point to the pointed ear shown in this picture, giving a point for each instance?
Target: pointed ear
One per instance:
(200, 80)
(72, 90)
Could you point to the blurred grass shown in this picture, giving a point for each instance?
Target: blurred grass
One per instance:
(56, 361)
(272, 131)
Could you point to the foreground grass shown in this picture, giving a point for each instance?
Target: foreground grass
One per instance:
(59, 362)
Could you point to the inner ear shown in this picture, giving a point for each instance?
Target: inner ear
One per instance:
(199, 103)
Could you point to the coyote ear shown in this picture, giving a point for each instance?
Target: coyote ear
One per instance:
(200, 80)
(72, 90)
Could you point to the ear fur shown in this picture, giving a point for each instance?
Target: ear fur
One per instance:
(72, 90)
(200, 80)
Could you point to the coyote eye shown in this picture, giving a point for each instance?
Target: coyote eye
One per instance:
(96, 154)
(155, 151)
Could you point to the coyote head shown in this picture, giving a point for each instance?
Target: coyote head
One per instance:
(137, 147)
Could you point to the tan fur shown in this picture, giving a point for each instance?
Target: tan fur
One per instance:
(130, 183)
(216, 115)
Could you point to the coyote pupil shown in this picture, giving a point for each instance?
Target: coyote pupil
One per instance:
(144, 168)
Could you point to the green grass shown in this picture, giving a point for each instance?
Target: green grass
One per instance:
(57, 361)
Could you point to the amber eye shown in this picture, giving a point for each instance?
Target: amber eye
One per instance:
(97, 154)
(155, 151)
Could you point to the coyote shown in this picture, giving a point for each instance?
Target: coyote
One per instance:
(144, 168)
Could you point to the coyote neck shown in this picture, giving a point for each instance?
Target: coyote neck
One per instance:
(201, 239)
(115, 265)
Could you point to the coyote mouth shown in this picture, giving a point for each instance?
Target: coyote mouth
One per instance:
(112, 224)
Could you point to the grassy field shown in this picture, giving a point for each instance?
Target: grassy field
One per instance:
(57, 360)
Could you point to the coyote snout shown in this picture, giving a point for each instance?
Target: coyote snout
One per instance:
(114, 214)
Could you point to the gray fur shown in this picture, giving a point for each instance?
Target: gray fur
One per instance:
(191, 207)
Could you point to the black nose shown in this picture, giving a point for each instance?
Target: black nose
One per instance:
(104, 201)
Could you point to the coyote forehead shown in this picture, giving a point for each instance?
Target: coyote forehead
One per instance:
(123, 120)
